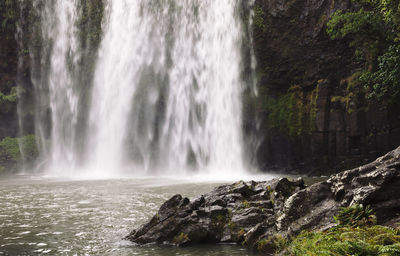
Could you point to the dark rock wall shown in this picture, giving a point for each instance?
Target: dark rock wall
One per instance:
(313, 120)
(8, 68)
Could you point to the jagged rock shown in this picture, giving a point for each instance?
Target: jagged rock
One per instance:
(251, 212)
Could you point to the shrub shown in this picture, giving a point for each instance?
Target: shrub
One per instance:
(346, 240)
(355, 216)
(11, 148)
(355, 234)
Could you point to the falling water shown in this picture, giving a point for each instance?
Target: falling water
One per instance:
(53, 77)
(204, 105)
(183, 56)
(165, 94)
(63, 100)
(126, 50)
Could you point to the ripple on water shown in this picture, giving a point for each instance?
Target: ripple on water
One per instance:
(24, 233)
(63, 218)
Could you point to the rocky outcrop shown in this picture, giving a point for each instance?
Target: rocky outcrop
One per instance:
(315, 119)
(254, 213)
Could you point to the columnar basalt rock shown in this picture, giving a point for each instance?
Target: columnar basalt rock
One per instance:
(314, 120)
(250, 212)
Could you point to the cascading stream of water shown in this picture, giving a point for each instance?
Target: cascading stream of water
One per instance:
(54, 82)
(195, 45)
(166, 92)
(204, 105)
(63, 98)
(131, 43)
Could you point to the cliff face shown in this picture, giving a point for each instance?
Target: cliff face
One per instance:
(8, 69)
(313, 113)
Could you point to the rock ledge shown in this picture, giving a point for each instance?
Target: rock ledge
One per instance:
(248, 212)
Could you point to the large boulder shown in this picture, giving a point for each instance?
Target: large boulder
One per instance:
(250, 212)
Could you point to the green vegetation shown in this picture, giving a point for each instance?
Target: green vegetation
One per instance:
(246, 204)
(368, 241)
(385, 81)
(181, 238)
(274, 244)
(374, 32)
(258, 19)
(222, 218)
(354, 93)
(15, 150)
(355, 234)
(8, 102)
(90, 24)
(355, 216)
(293, 113)
(8, 15)
(10, 148)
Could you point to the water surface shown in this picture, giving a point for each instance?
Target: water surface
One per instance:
(68, 217)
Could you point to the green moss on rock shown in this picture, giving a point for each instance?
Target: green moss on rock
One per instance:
(292, 113)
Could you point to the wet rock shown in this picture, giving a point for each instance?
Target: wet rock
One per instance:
(225, 214)
(254, 213)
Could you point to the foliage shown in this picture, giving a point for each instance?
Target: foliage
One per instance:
(9, 149)
(245, 204)
(12, 150)
(8, 15)
(293, 112)
(366, 29)
(355, 234)
(90, 23)
(354, 94)
(374, 32)
(274, 244)
(386, 80)
(346, 240)
(258, 19)
(10, 98)
(181, 238)
(355, 216)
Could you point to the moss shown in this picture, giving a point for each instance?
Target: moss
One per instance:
(181, 238)
(258, 19)
(241, 232)
(232, 226)
(355, 234)
(246, 204)
(222, 219)
(8, 15)
(293, 113)
(7, 100)
(353, 94)
(90, 24)
(313, 107)
(273, 244)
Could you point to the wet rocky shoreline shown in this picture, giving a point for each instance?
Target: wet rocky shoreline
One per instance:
(249, 212)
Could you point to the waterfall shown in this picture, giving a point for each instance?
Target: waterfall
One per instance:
(53, 78)
(165, 96)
